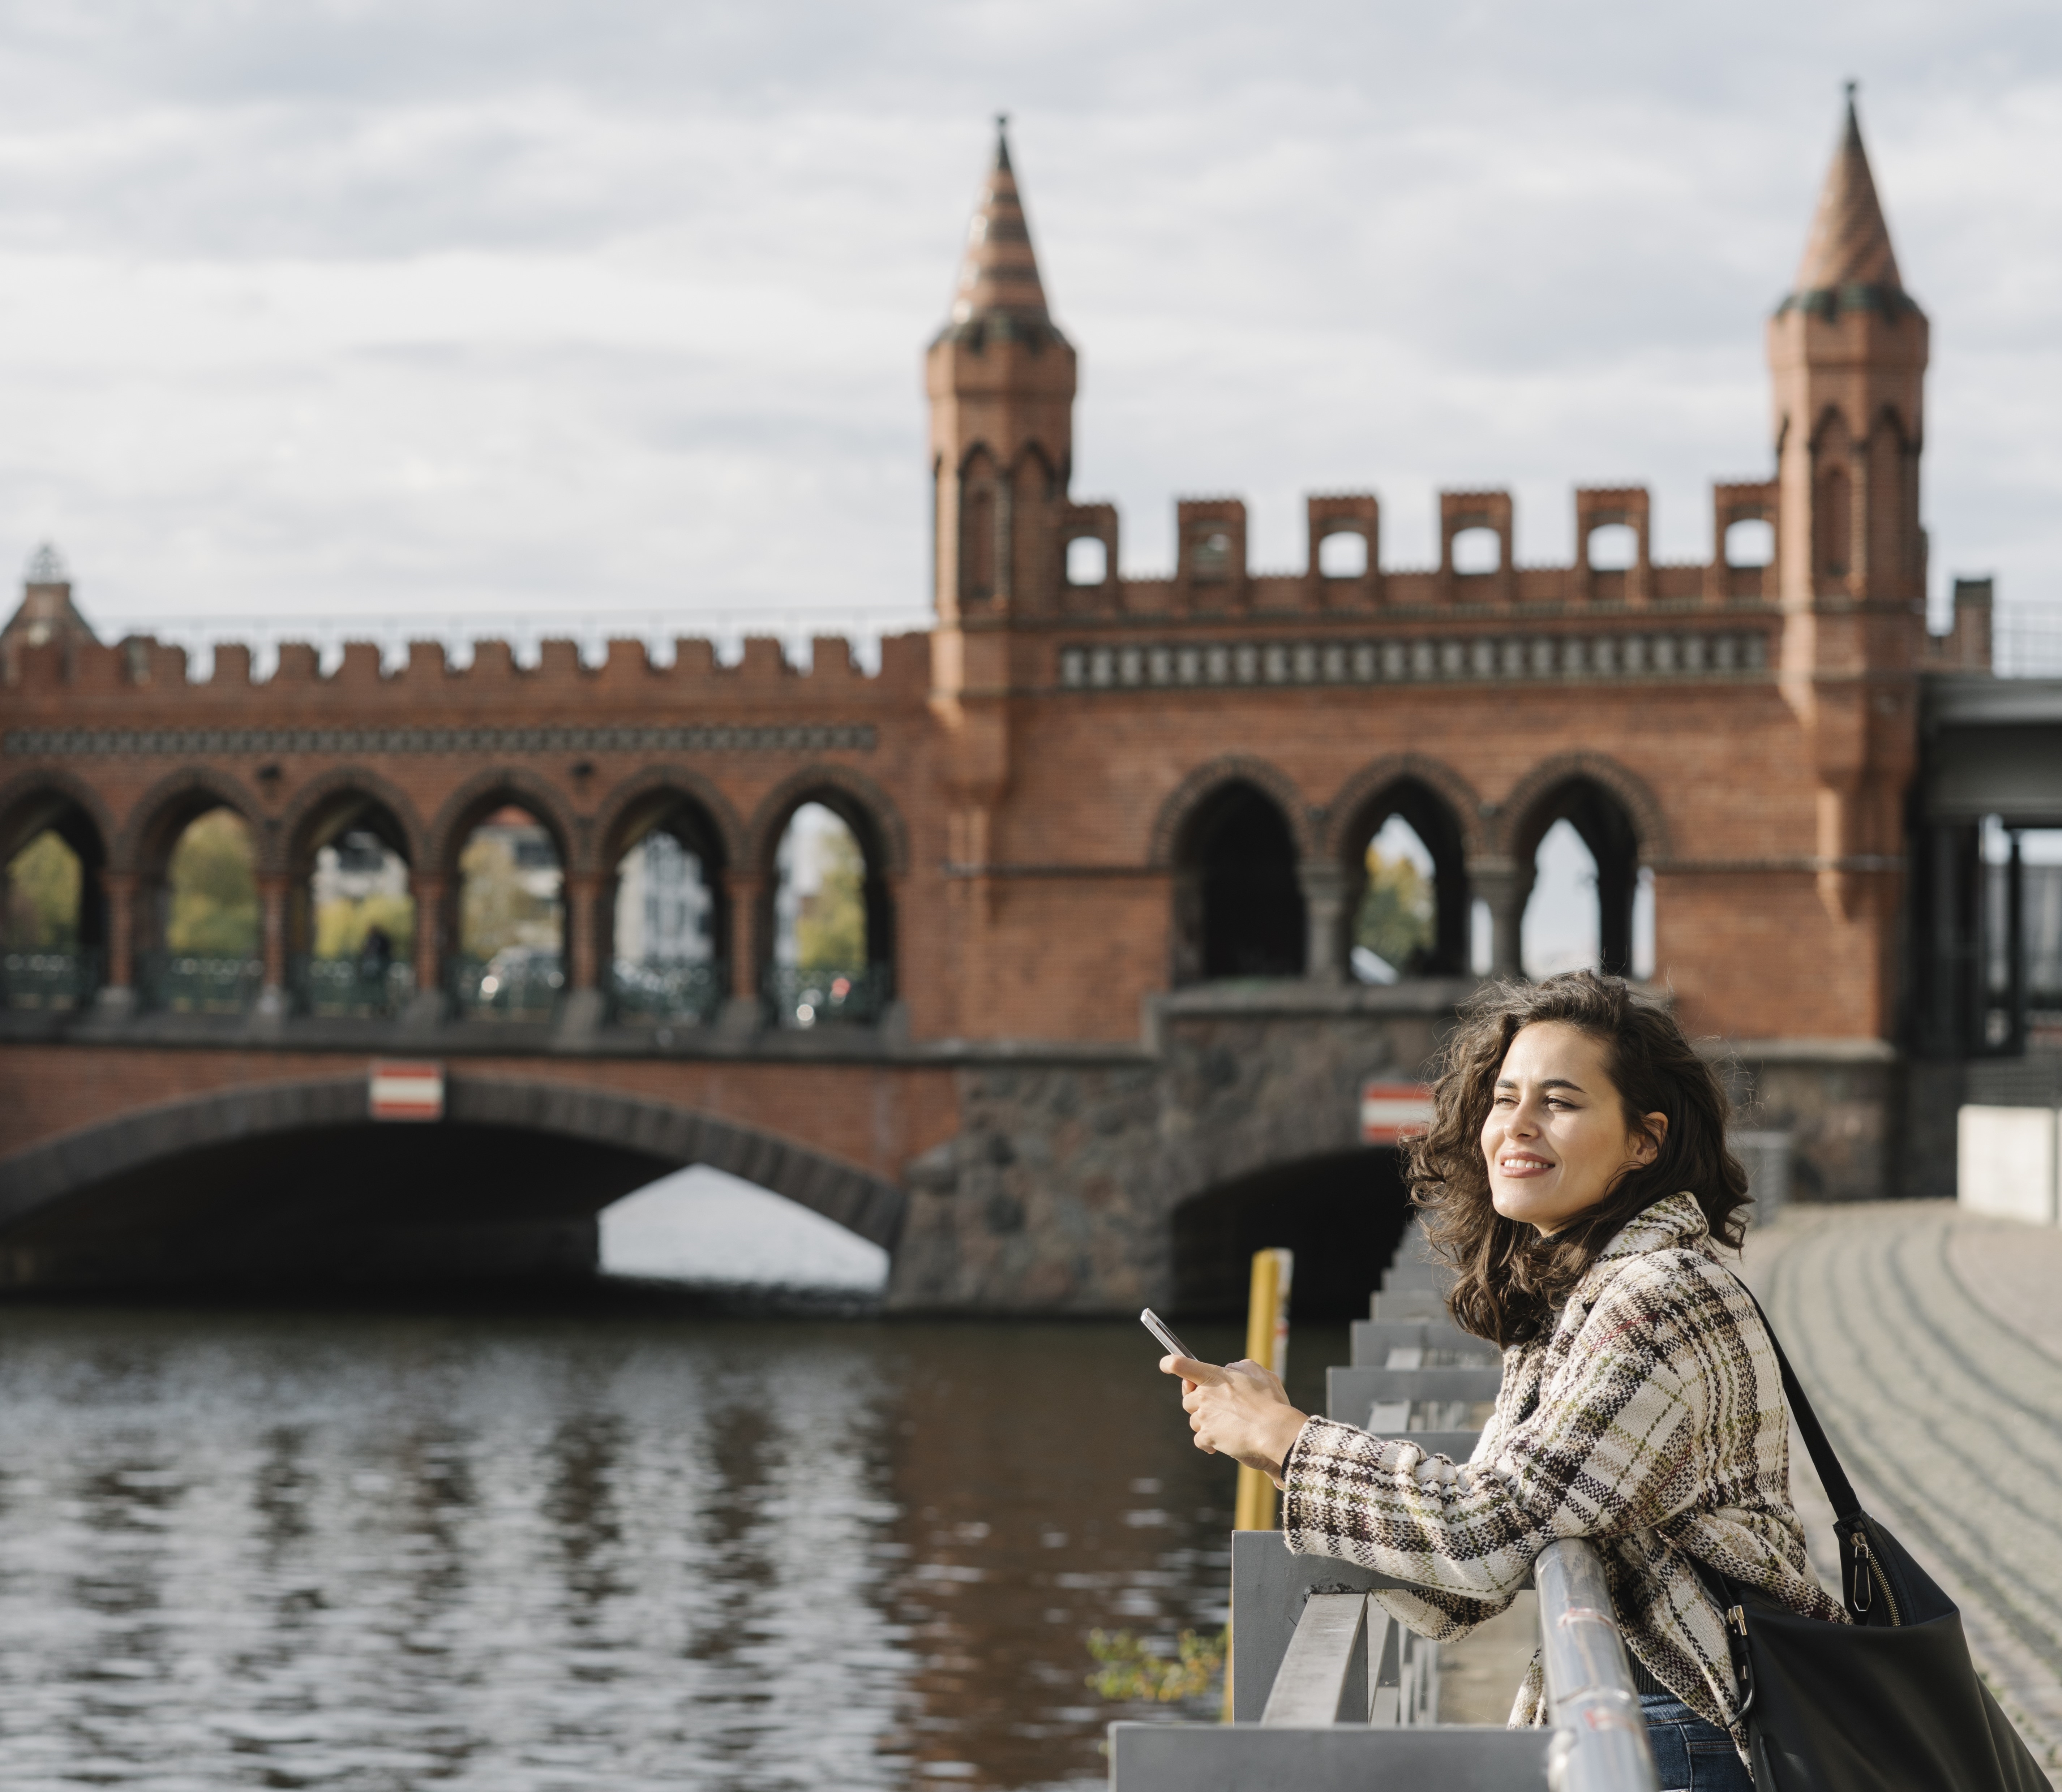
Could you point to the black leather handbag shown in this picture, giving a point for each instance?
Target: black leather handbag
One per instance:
(1890, 1703)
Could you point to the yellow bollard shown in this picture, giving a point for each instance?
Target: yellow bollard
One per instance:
(1266, 1343)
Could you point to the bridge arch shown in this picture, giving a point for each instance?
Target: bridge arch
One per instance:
(327, 805)
(1236, 846)
(194, 1188)
(165, 811)
(479, 797)
(54, 802)
(1441, 809)
(875, 826)
(1620, 822)
(673, 801)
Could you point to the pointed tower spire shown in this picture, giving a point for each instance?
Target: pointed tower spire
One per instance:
(1847, 352)
(1848, 261)
(999, 273)
(1000, 377)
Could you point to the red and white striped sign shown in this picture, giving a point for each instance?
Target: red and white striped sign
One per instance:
(408, 1091)
(1390, 1112)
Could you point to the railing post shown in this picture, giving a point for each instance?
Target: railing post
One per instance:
(1600, 1736)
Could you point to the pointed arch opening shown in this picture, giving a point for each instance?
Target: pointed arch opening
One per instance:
(1587, 902)
(831, 924)
(510, 918)
(53, 906)
(1239, 909)
(666, 914)
(1406, 907)
(206, 954)
(350, 909)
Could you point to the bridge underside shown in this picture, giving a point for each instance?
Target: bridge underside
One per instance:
(295, 1183)
(348, 1202)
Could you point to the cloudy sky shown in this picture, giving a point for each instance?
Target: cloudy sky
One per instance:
(364, 307)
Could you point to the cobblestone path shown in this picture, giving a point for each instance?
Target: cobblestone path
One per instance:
(1918, 1331)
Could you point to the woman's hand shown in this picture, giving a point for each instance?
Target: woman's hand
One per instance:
(1241, 1409)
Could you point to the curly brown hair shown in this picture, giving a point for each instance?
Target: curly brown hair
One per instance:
(1511, 1278)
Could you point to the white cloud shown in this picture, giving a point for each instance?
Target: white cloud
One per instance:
(358, 307)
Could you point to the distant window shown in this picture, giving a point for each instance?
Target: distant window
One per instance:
(981, 542)
(1088, 561)
(1209, 556)
(1343, 555)
(1835, 531)
(535, 853)
(1750, 543)
(1478, 550)
(1613, 547)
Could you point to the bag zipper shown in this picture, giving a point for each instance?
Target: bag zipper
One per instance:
(1868, 1575)
(1736, 1646)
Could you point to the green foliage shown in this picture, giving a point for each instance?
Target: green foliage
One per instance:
(214, 889)
(44, 884)
(1130, 1671)
(830, 930)
(342, 923)
(1396, 920)
(500, 906)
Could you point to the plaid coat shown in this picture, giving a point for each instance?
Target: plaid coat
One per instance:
(1650, 1420)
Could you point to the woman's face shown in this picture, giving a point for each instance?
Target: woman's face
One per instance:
(1556, 1137)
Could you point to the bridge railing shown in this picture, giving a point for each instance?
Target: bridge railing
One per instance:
(350, 986)
(516, 984)
(199, 983)
(1331, 1694)
(815, 995)
(666, 989)
(51, 980)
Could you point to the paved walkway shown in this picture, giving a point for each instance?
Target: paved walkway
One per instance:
(1931, 1343)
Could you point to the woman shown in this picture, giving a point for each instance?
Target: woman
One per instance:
(1575, 1175)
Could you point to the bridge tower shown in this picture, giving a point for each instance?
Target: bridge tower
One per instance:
(1000, 379)
(1848, 351)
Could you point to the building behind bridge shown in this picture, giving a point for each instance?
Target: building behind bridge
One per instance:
(1090, 1026)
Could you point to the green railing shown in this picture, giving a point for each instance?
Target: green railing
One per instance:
(188, 983)
(49, 979)
(520, 984)
(666, 989)
(351, 986)
(820, 995)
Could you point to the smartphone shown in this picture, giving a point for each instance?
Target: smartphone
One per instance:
(1157, 1326)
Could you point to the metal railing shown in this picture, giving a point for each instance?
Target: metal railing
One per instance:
(333, 987)
(520, 984)
(50, 979)
(1330, 1694)
(197, 983)
(817, 995)
(666, 989)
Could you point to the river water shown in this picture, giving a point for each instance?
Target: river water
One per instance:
(619, 1548)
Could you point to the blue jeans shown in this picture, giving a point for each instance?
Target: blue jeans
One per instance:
(1691, 1755)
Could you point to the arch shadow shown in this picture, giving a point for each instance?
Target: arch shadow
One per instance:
(1342, 1214)
(296, 1179)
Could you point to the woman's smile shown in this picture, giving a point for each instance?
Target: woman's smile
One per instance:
(1557, 1136)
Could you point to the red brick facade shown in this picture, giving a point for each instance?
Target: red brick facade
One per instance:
(1025, 776)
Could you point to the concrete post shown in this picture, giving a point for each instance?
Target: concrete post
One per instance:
(1324, 887)
(1497, 882)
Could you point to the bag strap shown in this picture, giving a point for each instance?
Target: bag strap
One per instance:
(1839, 1489)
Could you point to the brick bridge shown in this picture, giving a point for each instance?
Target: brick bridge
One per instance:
(1114, 830)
